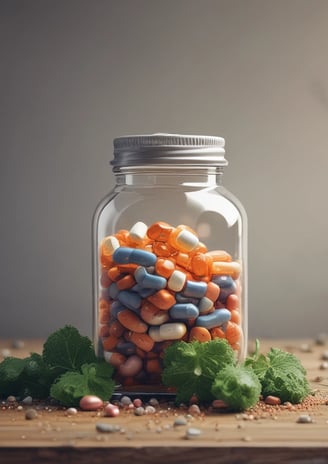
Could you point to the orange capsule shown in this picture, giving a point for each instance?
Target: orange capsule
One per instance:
(105, 281)
(133, 243)
(184, 239)
(201, 264)
(164, 250)
(164, 267)
(200, 248)
(183, 260)
(159, 231)
(232, 268)
(213, 291)
(152, 314)
(163, 299)
(122, 236)
(127, 268)
(217, 332)
(142, 341)
(103, 331)
(153, 366)
(125, 282)
(233, 332)
(232, 302)
(106, 261)
(103, 305)
(114, 273)
(235, 316)
(199, 333)
(132, 321)
(219, 255)
(104, 311)
(116, 329)
(109, 343)
(116, 359)
(104, 316)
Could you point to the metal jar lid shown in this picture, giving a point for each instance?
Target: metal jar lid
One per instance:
(168, 149)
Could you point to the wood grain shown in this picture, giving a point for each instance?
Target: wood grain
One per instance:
(272, 435)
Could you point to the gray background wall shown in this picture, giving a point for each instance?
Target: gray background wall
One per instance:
(74, 74)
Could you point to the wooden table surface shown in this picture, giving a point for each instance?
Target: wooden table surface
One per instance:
(266, 435)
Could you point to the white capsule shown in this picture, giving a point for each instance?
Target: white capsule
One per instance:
(172, 331)
(186, 240)
(154, 333)
(176, 281)
(138, 231)
(109, 245)
(205, 305)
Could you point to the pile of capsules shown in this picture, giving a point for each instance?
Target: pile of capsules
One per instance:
(160, 284)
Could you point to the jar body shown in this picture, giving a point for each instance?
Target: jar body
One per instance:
(193, 288)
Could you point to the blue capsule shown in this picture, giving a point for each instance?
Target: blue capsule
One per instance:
(115, 308)
(126, 255)
(149, 280)
(227, 287)
(195, 289)
(131, 300)
(214, 319)
(143, 291)
(126, 348)
(184, 311)
(180, 298)
(113, 291)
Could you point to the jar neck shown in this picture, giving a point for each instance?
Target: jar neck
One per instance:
(169, 176)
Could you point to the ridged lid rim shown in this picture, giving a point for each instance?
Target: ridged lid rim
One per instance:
(162, 148)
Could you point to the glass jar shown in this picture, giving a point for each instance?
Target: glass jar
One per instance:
(170, 256)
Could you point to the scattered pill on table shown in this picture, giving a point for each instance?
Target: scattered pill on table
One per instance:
(179, 421)
(304, 419)
(107, 428)
(111, 410)
(272, 400)
(91, 403)
(193, 432)
(31, 414)
(27, 401)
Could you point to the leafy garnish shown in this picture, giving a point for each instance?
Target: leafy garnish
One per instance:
(23, 377)
(94, 379)
(237, 386)
(281, 374)
(192, 367)
(66, 350)
(67, 356)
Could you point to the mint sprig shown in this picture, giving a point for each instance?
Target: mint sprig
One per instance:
(67, 370)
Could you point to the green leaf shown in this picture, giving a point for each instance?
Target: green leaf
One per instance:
(281, 374)
(191, 367)
(10, 376)
(23, 377)
(285, 377)
(66, 350)
(94, 379)
(37, 377)
(237, 386)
